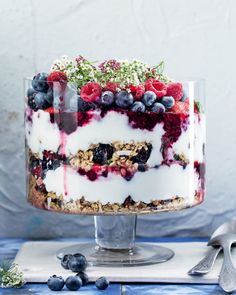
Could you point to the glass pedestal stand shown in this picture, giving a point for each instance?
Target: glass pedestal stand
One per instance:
(115, 244)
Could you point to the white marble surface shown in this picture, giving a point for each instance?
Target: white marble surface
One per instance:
(196, 38)
(37, 261)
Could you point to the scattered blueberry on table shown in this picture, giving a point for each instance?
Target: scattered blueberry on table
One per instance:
(102, 283)
(76, 263)
(65, 261)
(73, 283)
(55, 283)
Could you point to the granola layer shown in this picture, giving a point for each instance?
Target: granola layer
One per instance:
(51, 202)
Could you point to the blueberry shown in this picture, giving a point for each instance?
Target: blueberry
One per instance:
(102, 153)
(158, 108)
(40, 100)
(124, 99)
(32, 104)
(49, 96)
(143, 154)
(77, 263)
(184, 97)
(65, 260)
(55, 283)
(138, 106)
(102, 283)
(39, 82)
(168, 101)
(73, 283)
(31, 92)
(149, 98)
(142, 167)
(107, 98)
(84, 277)
(77, 104)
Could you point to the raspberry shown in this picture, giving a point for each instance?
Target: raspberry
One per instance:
(137, 91)
(181, 107)
(175, 90)
(110, 86)
(92, 175)
(59, 77)
(159, 88)
(90, 92)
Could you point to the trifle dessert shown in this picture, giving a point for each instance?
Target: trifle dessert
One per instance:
(118, 137)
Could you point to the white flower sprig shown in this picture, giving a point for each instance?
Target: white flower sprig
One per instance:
(81, 71)
(10, 275)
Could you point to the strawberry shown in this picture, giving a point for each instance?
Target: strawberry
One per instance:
(156, 86)
(137, 91)
(175, 90)
(90, 92)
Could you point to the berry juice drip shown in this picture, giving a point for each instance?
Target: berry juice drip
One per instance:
(63, 139)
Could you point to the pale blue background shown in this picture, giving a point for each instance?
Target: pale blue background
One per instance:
(196, 38)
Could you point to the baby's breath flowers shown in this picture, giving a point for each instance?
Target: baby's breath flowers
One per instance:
(124, 73)
(10, 276)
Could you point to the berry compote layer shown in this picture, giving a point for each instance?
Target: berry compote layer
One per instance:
(96, 151)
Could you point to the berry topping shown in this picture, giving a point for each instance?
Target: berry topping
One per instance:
(32, 104)
(137, 106)
(175, 90)
(59, 77)
(180, 107)
(102, 283)
(168, 101)
(143, 154)
(65, 261)
(124, 99)
(51, 110)
(55, 283)
(31, 92)
(84, 277)
(137, 91)
(102, 153)
(92, 175)
(65, 121)
(39, 82)
(158, 108)
(90, 92)
(142, 167)
(79, 105)
(110, 86)
(40, 99)
(159, 88)
(49, 96)
(149, 98)
(107, 98)
(144, 120)
(77, 263)
(73, 283)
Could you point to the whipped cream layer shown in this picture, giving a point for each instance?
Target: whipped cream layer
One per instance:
(42, 134)
(155, 184)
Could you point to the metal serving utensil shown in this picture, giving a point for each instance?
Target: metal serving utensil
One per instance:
(206, 264)
(227, 278)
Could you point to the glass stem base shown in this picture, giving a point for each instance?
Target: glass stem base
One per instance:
(115, 245)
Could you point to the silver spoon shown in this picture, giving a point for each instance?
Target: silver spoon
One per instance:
(206, 264)
(227, 278)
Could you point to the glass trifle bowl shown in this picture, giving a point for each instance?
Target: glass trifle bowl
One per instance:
(99, 143)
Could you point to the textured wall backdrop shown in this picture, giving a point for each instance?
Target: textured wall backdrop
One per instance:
(195, 38)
